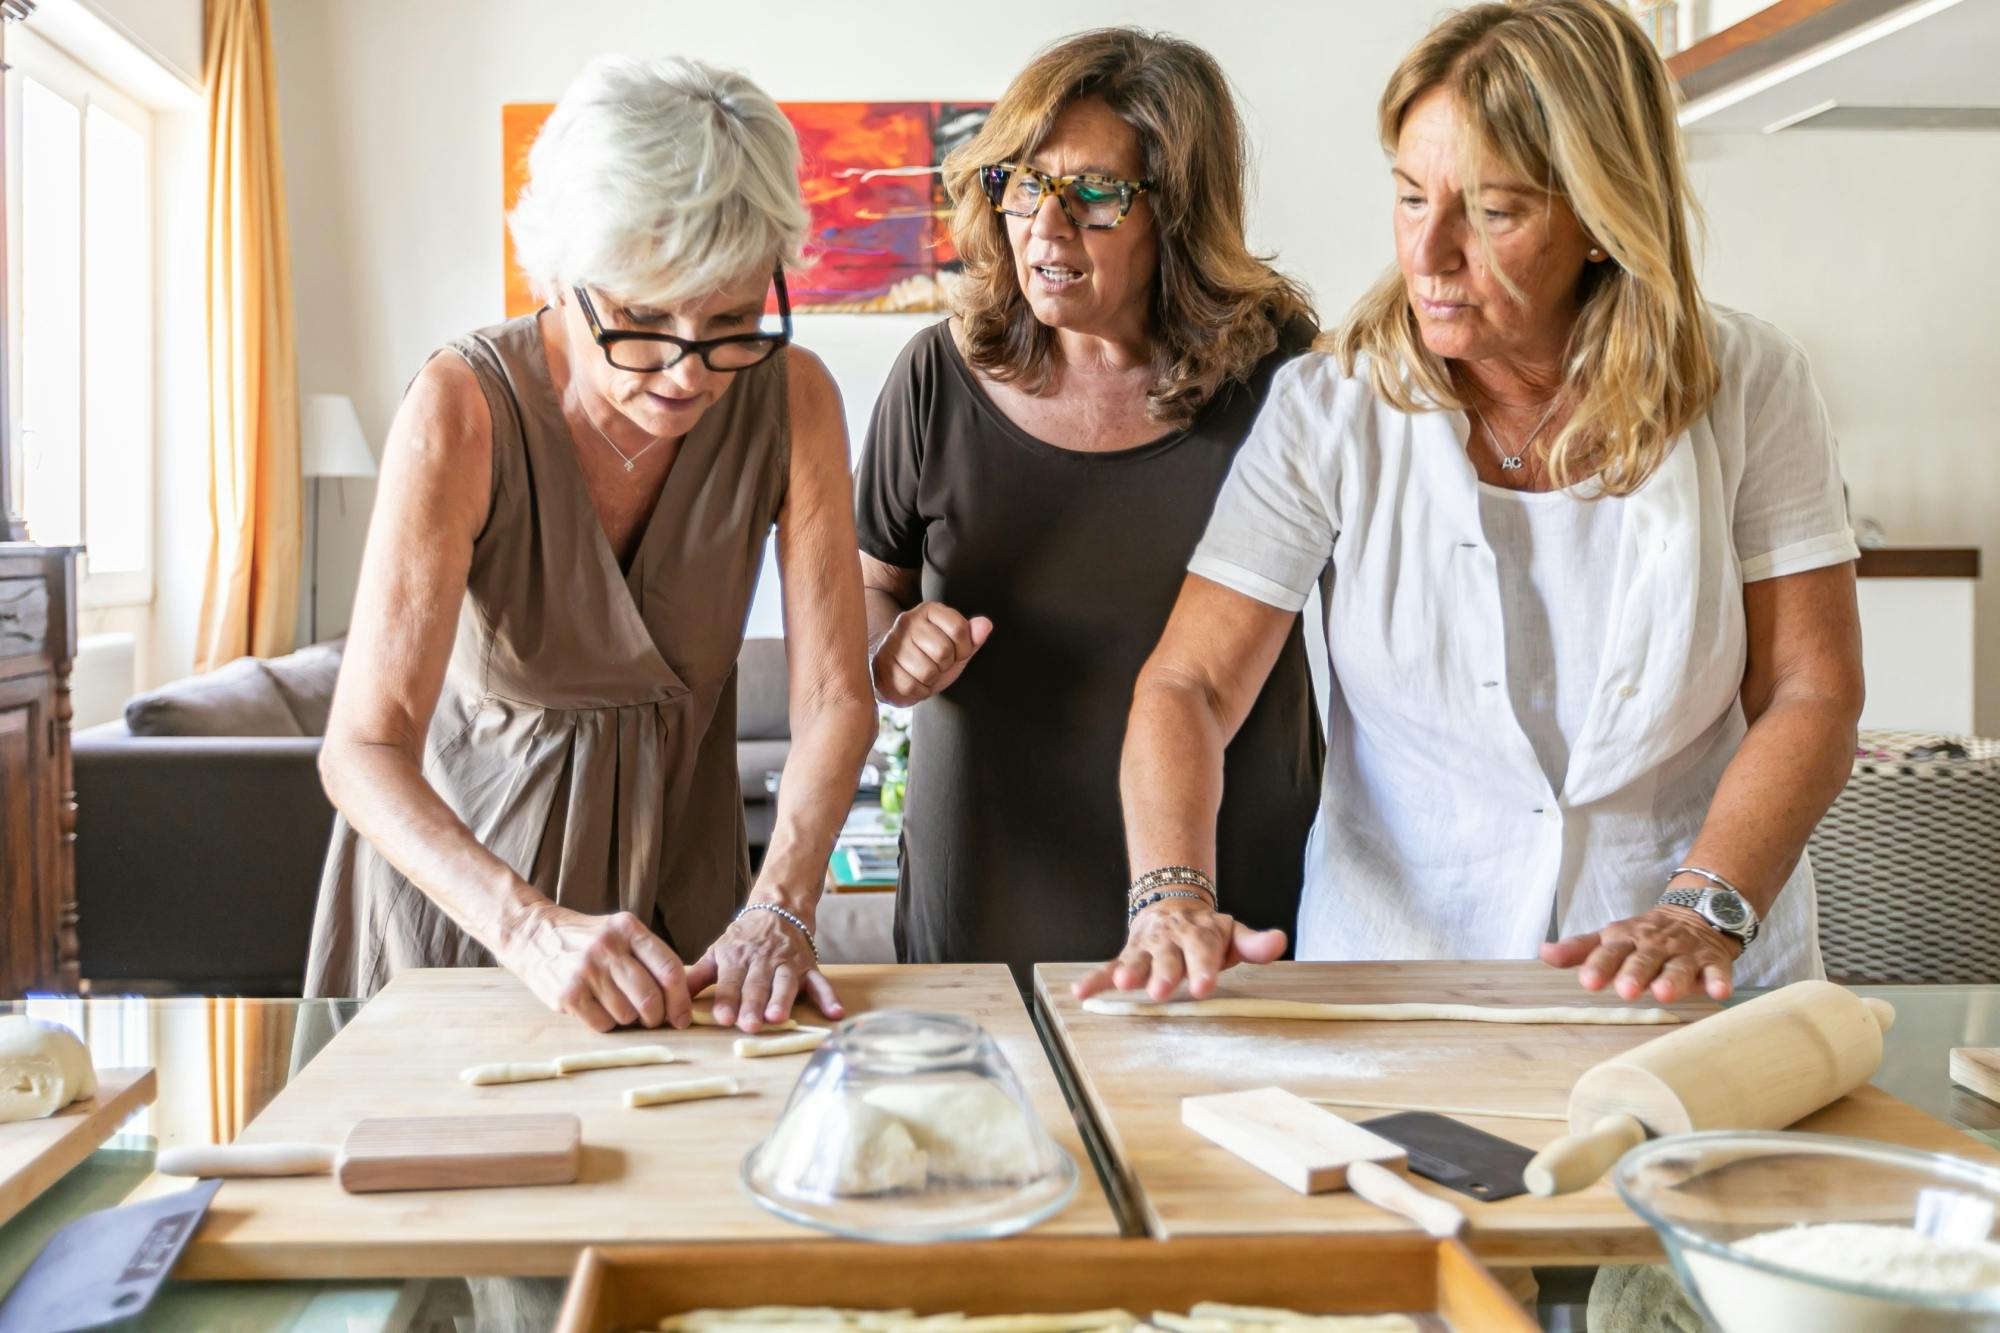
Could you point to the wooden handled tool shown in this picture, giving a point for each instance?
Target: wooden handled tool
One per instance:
(410, 1153)
(1761, 1065)
(1313, 1150)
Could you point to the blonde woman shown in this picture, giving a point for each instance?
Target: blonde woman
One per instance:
(533, 747)
(1038, 472)
(1592, 618)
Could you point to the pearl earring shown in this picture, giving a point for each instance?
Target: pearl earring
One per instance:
(1596, 253)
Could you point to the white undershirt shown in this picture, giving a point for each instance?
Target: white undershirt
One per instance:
(1555, 554)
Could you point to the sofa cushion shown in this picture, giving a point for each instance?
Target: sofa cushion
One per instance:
(753, 760)
(238, 699)
(763, 708)
(306, 678)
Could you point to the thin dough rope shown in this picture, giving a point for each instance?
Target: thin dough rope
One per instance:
(1376, 1013)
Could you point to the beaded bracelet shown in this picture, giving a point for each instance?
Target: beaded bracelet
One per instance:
(787, 917)
(1192, 876)
(1142, 904)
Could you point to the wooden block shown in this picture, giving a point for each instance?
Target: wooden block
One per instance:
(460, 1152)
(1977, 1068)
(1287, 1137)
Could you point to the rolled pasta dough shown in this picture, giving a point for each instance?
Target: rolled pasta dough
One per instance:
(520, 1072)
(618, 1057)
(791, 1043)
(683, 1090)
(1234, 1007)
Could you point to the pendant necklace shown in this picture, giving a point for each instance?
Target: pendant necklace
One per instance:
(1508, 462)
(630, 460)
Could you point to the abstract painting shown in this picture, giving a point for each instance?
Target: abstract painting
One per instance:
(881, 236)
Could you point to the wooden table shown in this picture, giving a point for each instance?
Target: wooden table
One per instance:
(664, 1174)
(1133, 1072)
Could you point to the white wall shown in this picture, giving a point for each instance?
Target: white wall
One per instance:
(167, 30)
(1875, 252)
(391, 115)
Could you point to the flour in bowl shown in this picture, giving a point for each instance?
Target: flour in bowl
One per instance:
(1880, 1256)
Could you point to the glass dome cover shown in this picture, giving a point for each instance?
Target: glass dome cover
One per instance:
(910, 1126)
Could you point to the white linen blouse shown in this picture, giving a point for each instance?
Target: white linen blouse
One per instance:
(1440, 834)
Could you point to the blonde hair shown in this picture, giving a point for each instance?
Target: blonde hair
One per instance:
(659, 180)
(1569, 93)
(1216, 308)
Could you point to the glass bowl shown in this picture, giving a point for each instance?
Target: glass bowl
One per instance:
(908, 1126)
(1806, 1233)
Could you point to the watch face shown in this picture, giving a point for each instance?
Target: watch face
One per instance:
(1726, 909)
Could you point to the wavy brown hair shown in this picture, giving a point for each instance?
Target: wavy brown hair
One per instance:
(1570, 94)
(1216, 308)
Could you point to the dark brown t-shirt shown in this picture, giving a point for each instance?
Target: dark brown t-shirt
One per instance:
(1013, 838)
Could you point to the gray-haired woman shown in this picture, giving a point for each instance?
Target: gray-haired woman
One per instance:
(533, 744)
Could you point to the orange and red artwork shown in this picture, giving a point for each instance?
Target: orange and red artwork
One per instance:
(881, 238)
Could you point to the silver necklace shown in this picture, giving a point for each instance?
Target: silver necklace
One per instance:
(1513, 462)
(632, 459)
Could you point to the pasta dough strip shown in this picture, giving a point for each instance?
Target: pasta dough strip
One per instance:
(620, 1057)
(533, 1071)
(1375, 1013)
(684, 1090)
(805, 1039)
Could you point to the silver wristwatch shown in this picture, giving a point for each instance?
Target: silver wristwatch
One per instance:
(1721, 906)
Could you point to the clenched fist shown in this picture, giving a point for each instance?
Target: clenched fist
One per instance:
(924, 652)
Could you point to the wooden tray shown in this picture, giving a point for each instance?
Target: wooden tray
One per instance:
(633, 1288)
(1132, 1073)
(35, 1154)
(663, 1174)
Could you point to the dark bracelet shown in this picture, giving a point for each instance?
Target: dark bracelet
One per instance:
(1133, 909)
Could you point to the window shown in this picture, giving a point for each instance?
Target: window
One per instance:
(80, 236)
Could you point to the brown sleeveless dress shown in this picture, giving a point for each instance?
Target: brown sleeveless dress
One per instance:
(586, 731)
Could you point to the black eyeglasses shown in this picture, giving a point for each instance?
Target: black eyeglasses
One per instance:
(629, 349)
(1089, 200)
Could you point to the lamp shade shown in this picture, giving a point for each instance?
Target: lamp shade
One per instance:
(331, 443)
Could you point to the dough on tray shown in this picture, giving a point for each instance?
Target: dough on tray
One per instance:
(43, 1068)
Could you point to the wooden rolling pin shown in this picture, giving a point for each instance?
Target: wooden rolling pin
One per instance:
(1762, 1065)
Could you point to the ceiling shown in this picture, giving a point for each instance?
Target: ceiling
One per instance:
(1941, 54)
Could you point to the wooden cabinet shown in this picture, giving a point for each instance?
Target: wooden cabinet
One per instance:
(37, 793)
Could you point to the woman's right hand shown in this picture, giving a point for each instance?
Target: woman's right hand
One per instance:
(924, 652)
(1181, 939)
(609, 971)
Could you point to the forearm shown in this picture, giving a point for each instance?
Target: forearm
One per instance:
(1170, 774)
(1791, 765)
(815, 794)
(384, 795)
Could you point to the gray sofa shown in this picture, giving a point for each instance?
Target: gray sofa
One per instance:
(202, 825)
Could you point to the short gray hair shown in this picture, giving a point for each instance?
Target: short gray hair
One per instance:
(659, 180)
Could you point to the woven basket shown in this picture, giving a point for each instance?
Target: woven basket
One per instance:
(1908, 865)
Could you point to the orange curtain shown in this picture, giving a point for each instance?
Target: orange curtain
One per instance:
(250, 604)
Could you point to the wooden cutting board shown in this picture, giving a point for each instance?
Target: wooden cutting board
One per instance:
(656, 1175)
(1133, 1072)
(35, 1154)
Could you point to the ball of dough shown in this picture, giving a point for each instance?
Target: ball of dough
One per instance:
(971, 1131)
(843, 1146)
(43, 1068)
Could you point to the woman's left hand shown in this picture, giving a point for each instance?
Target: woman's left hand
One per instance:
(758, 968)
(1669, 950)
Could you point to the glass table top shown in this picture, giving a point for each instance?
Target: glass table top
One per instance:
(221, 1060)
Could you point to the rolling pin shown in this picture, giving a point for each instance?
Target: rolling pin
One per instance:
(1762, 1065)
